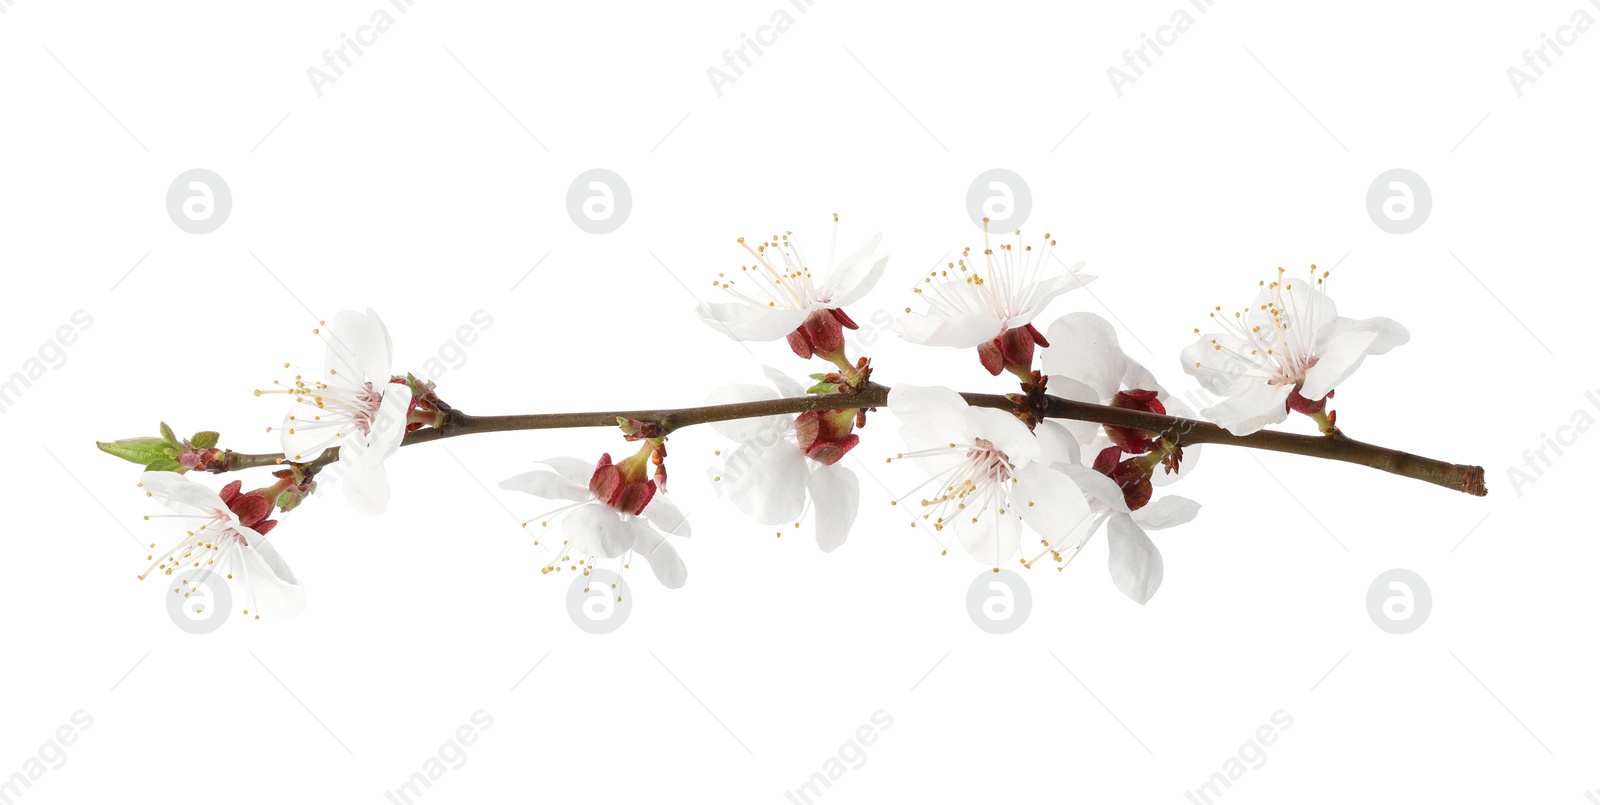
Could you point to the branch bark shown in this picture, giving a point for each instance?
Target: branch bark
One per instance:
(1337, 447)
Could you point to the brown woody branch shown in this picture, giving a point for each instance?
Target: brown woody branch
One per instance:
(1336, 447)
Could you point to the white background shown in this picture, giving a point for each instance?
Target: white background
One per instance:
(430, 178)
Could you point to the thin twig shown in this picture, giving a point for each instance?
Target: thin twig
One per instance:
(1185, 432)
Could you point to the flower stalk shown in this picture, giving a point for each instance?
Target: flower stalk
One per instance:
(1176, 430)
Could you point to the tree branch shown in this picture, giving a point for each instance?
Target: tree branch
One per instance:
(1185, 432)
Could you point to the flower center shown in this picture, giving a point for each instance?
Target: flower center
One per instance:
(1279, 337)
(781, 277)
(1008, 285)
(989, 462)
(366, 400)
(782, 282)
(981, 478)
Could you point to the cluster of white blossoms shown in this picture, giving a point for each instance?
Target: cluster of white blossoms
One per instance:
(355, 406)
(1000, 481)
(1011, 479)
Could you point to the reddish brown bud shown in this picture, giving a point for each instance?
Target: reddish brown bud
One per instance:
(822, 333)
(634, 497)
(1131, 476)
(1130, 439)
(1107, 460)
(825, 436)
(1016, 346)
(1302, 405)
(606, 482)
(992, 357)
(253, 507)
(828, 454)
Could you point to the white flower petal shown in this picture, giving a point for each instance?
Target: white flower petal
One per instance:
(742, 321)
(1052, 505)
(990, 537)
(835, 498)
(929, 415)
(665, 515)
(745, 430)
(1258, 406)
(271, 583)
(598, 530)
(1004, 431)
(1044, 292)
(1056, 443)
(1302, 307)
(1138, 377)
(1102, 491)
(1136, 566)
(1166, 512)
(366, 485)
(358, 348)
(1226, 371)
(659, 553)
(785, 385)
(1390, 334)
(854, 276)
(1084, 347)
(962, 332)
(771, 489)
(389, 425)
(181, 494)
(548, 485)
(1340, 359)
(575, 470)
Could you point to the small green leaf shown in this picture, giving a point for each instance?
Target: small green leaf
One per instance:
(291, 498)
(824, 388)
(206, 439)
(139, 450)
(166, 433)
(165, 465)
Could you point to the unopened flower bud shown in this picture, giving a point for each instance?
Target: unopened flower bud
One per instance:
(821, 334)
(1132, 440)
(1012, 351)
